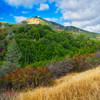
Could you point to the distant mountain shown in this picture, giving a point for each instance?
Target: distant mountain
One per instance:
(78, 30)
(56, 26)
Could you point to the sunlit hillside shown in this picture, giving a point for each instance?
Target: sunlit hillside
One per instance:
(74, 86)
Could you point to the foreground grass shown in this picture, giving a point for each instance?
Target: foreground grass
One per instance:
(82, 86)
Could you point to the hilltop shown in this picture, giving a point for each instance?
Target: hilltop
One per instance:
(38, 20)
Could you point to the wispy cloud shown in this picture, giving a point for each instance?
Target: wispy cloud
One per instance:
(19, 18)
(25, 3)
(67, 24)
(43, 7)
(83, 13)
(51, 19)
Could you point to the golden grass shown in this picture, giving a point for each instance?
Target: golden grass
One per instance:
(82, 86)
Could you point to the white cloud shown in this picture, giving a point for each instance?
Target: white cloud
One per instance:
(43, 7)
(83, 13)
(94, 28)
(19, 18)
(25, 3)
(67, 24)
(51, 19)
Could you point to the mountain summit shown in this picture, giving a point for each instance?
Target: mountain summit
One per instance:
(33, 20)
(38, 20)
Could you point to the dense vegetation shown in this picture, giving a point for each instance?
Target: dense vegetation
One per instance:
(40, 43)
(59, 27)
(37, 45)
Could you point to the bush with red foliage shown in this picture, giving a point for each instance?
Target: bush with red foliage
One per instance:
(81, 62)
(26, 77)
(1, 50)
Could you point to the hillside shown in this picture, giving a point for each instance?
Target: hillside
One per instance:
(41, 43)
(37, 20)
(49, 50)
(81, 31)
(32, 54)
(82, 86)
(56, 26)
(35, 54)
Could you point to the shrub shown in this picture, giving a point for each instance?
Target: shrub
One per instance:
(12, 58)
(26, 77)
(94, 60)
(86, 61)
(60, 68)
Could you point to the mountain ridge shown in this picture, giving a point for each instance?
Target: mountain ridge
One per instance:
(54, 25)
(60, 27)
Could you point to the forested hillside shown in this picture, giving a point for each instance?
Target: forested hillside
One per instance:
(38, 43)
(56, 26)
(31, 55)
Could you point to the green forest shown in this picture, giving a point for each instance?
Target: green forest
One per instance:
(24, 46)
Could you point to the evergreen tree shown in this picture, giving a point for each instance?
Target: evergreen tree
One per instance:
(12, 58)
(10, 35)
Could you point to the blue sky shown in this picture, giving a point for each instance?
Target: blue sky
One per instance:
(80, 13)
(11, 13)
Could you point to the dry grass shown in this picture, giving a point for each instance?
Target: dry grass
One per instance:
(82, 86)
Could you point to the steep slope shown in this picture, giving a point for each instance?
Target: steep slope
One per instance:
(82, 86)
(56, 26)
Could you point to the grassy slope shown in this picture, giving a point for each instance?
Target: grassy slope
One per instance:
(82, 86)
